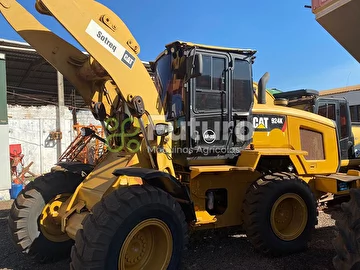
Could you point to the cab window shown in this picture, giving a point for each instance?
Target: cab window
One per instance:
(242, 86)
(327, 110)
(343, 121)
(210, 92)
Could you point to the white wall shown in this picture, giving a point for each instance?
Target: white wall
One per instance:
(4, 157)
(31, 126)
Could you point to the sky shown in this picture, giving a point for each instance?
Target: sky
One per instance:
(296, 51)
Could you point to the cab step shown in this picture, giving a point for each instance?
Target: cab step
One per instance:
(338, 183)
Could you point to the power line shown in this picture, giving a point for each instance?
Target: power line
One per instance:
(39, 91)
(29, 90)
(44, 101)
(37, 99)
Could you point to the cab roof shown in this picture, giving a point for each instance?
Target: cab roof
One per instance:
(209, 47)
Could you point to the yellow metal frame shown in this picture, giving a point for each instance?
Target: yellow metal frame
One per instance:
(289, 216)
(148, 246)
(328, 186)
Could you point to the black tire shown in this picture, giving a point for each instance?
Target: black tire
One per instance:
(25, 213)
(259, 200)
(347, 241)
(98, 244)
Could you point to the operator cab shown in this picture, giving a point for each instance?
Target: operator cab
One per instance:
(207, 93)
(336, 109)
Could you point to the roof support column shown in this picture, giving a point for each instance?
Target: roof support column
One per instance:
(60, 113)
(5, 179)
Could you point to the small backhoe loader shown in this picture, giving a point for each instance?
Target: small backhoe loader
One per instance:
(182, 151)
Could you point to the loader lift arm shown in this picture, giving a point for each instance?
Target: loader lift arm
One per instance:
(103, 35)
(111, 78)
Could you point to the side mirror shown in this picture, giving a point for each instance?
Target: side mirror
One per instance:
(194, 66)
(188, 67)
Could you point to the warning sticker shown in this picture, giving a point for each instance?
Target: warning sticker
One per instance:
(269, 122)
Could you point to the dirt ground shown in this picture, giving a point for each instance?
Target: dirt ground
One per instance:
(207, 252)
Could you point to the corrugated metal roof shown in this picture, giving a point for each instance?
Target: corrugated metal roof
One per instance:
(31, 80)
(340, 90)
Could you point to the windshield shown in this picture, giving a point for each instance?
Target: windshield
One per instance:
(163, 75)
(170, 88)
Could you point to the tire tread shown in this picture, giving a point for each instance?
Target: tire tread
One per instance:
(254, 196)
(347, 240)
(90, 253)
(35, 194)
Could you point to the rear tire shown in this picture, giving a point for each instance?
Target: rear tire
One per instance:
(25, 213)
(279, 214)
(347, 241)
(140, 217)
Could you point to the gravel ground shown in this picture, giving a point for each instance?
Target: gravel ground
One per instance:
(212, 252)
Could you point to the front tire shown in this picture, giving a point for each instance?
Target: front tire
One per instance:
(31, 223)
(136, 227)
(279, 214)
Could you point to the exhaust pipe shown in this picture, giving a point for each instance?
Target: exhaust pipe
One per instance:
(262, 88)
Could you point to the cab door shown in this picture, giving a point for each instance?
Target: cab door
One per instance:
(209, 110)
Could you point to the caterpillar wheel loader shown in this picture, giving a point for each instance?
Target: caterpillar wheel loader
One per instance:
(182, 151)
(336, 109)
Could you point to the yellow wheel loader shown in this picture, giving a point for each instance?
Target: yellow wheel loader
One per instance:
(336, 109)
(185, 151)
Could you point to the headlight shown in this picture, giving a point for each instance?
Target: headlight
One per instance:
(163, 129)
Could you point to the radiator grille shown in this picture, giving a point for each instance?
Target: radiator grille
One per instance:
(313, 143)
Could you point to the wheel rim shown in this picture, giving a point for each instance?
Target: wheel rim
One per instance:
(148, 246)
(50, 221)
(289, 216)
